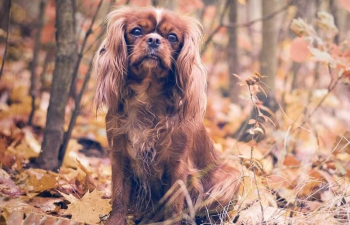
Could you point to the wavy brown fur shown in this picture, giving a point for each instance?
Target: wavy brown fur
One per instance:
(156, 102)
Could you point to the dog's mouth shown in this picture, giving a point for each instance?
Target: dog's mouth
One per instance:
(151, 60)
(152, 57)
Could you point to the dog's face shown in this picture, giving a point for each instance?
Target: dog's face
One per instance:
(151, 42)
(154, 40)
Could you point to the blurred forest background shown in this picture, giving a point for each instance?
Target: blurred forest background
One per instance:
(288, 132)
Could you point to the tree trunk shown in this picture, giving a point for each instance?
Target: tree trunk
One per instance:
(232, 52)
(34, 62)
(268, 55)
(4, 13)
(66, 54)
(254, 31)
(334, 10)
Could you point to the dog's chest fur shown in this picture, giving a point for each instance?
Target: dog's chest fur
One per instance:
(147, 128)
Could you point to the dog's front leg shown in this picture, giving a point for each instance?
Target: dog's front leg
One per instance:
(176, 195)
(120, 192)
(120, 181)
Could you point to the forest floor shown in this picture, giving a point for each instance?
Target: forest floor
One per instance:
(298, 173)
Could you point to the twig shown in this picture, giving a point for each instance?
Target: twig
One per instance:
(256, 183)
(76, 110)
(284, 150)
(267, 17)
(88, 49)
(293, 121)
(218, 14)
(329, 90)
(78, 98)
(251, 159)
(75, 113)
(33, 80)
(174, 192)
(80, 55)
(81, 27)
(238, 25)
(102, 24)
(47, 60)
(221, 24)
(7, 39)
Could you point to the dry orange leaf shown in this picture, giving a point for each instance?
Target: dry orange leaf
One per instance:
(46, 204)
(89, 208)
(342, 144)
(38, 180)
(290, 160)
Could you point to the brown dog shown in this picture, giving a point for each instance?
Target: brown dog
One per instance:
(151, 78)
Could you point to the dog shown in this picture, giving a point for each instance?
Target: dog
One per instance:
(151, 78)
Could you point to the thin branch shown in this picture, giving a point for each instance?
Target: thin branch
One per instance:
(329, 90)
(221, 24)
(80, 55)
(7, 39)
(33, 79)
(267, 17)
(78, 98)
(48, 59)
(81, 27)
(252, 158)
(249, 23)
(100, 36)
(102, 24)
(75, 113)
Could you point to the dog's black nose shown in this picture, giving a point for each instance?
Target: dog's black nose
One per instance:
(153, 42)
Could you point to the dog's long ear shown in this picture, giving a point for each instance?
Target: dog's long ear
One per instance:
(110, 63)
(191, 73)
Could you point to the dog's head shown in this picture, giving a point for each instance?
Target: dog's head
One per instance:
(144, 41)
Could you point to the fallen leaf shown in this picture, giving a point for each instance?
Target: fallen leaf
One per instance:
(17, 204)
(38, 180)
(7, 186)
(89, 208)
(342, 144)
(46, 204)
(290, 160)
(252, 215)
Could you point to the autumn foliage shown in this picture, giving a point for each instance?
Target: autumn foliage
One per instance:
(294, 166)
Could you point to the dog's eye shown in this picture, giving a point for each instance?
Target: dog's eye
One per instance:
(172, 38)
(136, 32)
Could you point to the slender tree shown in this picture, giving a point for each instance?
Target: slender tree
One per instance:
(4, 13)
(66, 54)
(34, 62)
(5, 18)
(232, 52)
(268, 56)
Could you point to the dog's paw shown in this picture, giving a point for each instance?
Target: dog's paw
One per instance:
(116, 220)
